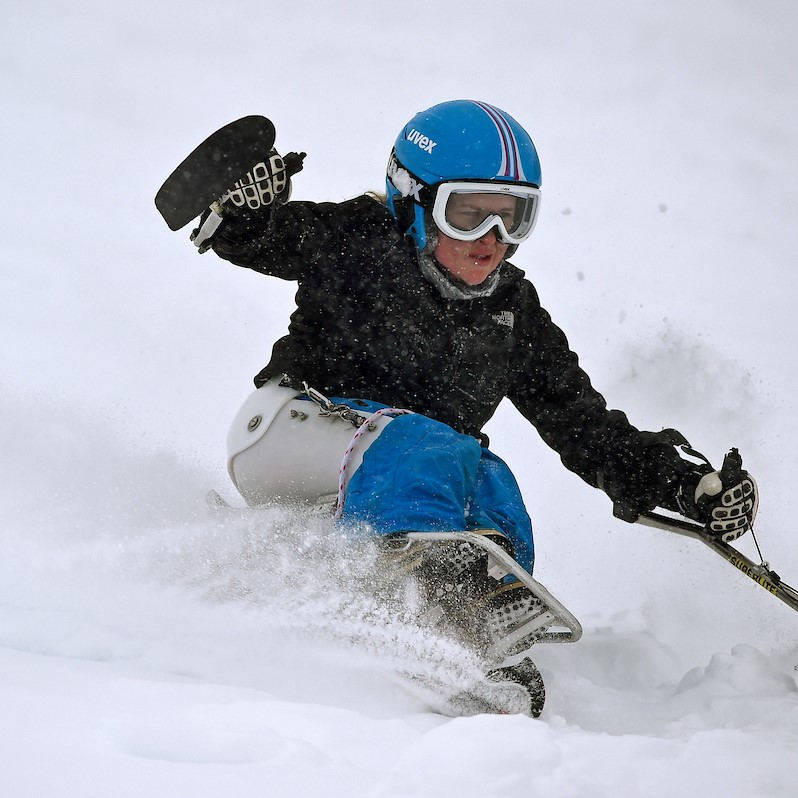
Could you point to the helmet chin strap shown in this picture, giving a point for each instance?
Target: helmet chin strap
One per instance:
(431, 231)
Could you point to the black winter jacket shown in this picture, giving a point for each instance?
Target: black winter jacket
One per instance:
(369, 324)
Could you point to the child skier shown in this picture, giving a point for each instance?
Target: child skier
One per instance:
(408, 302)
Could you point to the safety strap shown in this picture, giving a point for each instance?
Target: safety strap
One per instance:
(364, 424)
(368, 425)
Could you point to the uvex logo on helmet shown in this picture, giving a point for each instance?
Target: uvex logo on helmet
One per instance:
(420, 140)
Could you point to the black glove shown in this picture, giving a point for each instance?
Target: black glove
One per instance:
(251, 199)
(725, 501)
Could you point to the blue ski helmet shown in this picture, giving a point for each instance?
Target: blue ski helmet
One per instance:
(460, 140)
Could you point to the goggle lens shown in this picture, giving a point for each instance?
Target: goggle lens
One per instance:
(467, 211)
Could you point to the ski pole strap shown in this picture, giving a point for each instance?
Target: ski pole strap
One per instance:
(368, 425)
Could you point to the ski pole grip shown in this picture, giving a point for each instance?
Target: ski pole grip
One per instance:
(731, 470)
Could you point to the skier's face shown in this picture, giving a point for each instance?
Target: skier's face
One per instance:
(471, 262)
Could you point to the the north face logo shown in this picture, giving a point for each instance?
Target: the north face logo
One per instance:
(505, 317)
(420, 140)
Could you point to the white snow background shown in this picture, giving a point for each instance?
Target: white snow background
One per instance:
(151, 647)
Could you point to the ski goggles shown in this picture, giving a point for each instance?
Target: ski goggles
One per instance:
(467, 211)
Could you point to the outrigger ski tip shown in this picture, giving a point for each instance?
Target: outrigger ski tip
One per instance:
(761, 573)
(212, 168)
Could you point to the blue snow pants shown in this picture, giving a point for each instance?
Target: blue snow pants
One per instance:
(421, 475)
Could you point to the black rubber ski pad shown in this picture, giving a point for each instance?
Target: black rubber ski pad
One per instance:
(213, 168)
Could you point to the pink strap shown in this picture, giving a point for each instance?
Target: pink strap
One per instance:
(343, 474)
